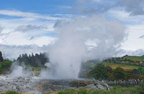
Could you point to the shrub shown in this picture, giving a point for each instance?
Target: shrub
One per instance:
(82, 91)
(5, 66)
(140, 71)
(99, 72)
(11, 92)
(119, 74)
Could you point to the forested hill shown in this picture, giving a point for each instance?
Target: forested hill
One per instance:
(35, 60)
(132, 67)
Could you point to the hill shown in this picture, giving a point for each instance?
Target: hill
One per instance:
(131, 66)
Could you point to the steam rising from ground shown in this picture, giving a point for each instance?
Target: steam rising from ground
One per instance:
(81, 39)
(19, 71)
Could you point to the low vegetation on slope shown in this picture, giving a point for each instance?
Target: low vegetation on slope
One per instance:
(5, 66)
(131, 67)
(115, 90)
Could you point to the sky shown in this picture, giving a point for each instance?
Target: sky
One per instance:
(28, 25)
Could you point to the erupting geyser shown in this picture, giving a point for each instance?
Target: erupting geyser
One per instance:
(81, 39)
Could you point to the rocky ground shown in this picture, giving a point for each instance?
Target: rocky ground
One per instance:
(36, 86)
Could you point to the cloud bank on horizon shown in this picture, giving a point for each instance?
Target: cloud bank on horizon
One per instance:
(23, 27)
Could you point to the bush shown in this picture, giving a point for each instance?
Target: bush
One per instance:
(82, 91)
(140, 71)
(5, 66)
(141, 88)
(124, 90)
(99, 72)
(11, 92)
(119, 74)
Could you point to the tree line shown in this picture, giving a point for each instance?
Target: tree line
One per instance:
(35, 60)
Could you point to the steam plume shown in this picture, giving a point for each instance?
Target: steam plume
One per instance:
(71, 49)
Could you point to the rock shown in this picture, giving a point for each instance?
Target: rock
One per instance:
(35, 86)
(18, 84)
(58, 85)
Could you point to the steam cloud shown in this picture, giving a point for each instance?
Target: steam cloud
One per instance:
(73, 46)
(19, 71)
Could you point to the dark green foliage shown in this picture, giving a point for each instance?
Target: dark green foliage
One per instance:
(5, 66)
(100, 72)
(140, 71)
(37, 60)
(11, 92)
(119, 74)
(141, 88)
(82, 91)
(1, 57)
(68, 92)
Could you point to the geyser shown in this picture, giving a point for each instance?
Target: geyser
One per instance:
(72, 47)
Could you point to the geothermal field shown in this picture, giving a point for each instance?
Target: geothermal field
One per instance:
(36, 85)
(71, 46)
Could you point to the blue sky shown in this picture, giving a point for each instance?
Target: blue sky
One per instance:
(28, 23)
(38, 6)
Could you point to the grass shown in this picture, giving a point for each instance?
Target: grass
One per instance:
(123, 66)
(115, 90)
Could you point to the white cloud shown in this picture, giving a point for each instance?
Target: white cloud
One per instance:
(134, 7)
(20, 38)
(29, 29)
(12, 52)
(138, 52)
(135, 28)
(26, 14)
(23, 31)
(133, 41)
(125, 17)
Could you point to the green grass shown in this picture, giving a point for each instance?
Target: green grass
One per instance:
(115, 90)
(12, 92)
(124, 66)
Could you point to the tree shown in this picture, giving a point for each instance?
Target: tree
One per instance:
(1, 58)
(37, 60)
(119, 74)
(99, 72)
(140, 71)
